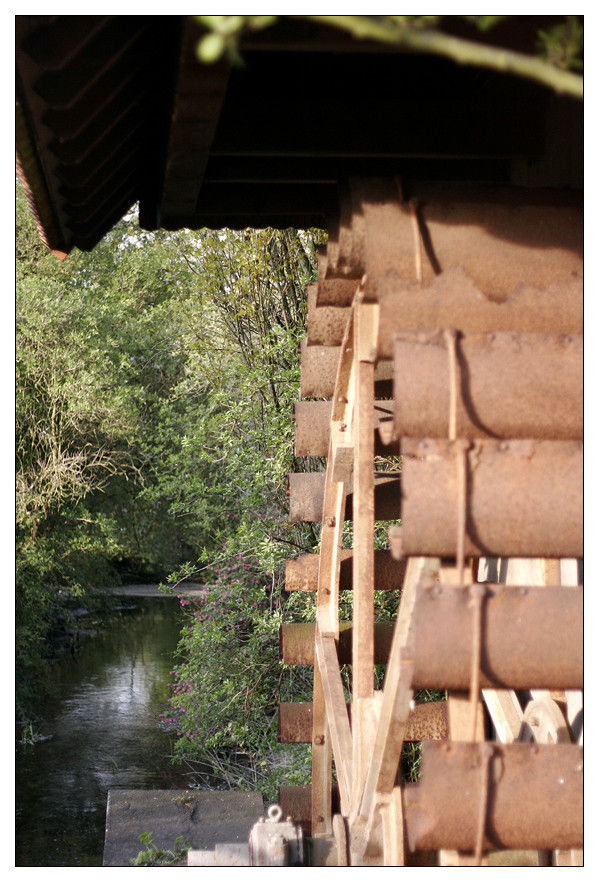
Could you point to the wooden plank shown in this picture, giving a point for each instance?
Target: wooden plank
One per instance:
(321, 763)
(337, 718)
(365, 330)
(395, 708)
(335, 491)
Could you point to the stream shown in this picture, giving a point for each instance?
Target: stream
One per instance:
(105, 729)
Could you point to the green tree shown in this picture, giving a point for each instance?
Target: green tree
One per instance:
(246, 315)
(99, 354)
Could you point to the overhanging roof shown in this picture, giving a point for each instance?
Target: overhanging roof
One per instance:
(114, 110)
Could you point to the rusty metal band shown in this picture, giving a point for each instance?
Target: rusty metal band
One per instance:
(530, 638)
(301, 573)
(427, 721)
(452, 301)
(319, 371)
(540, 394)
(524, 498)
(313, 426)
(534, 798)
(306, 497)
(297, 642)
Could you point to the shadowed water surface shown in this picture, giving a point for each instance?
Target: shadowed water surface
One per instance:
(106, 733)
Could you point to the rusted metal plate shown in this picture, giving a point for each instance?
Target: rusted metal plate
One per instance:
(306, 496)
(297, 642)
(336, 292)
(500, 239)
(504, 238)
(326, 324)
(427, 721)
(313, 428)
(540, 394)
(333, 292)
(319, 371)
(301, 573)
(534, 799)
(452, 300)
(346, 240)
(523, 498)
(531, 638)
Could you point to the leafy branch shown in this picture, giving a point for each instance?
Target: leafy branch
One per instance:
(560, 47)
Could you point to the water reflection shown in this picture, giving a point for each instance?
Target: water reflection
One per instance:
(105, 734)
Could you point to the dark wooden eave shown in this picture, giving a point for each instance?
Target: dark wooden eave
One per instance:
(116, 110)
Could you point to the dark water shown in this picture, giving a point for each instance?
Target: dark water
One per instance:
(106, 733)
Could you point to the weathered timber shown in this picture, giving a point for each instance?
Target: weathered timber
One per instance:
(520, 499)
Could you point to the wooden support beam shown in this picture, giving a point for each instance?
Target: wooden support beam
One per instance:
(336, 714)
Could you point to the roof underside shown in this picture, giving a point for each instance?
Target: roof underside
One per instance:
(115, 110)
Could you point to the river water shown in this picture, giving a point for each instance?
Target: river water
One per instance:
(106, 733)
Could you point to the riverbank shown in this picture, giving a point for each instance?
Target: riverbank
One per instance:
(191, 588)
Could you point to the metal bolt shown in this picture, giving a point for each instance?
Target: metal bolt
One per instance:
(330, 521)
(478, 589)
(319, 739)
(342, 427)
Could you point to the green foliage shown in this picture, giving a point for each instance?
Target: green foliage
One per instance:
(159, 857)
(245, 315)
(98, 421)
(229, 682)
(560, 49)
(562, 45)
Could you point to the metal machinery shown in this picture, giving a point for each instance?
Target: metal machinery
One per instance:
(480, 333)
(446, 329)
